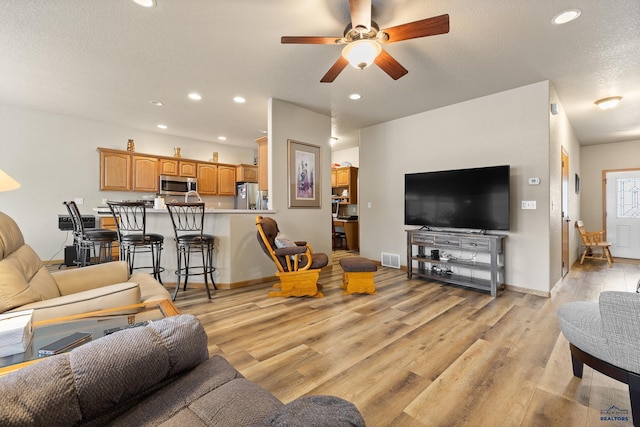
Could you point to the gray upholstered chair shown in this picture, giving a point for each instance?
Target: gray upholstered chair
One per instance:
(605, 335)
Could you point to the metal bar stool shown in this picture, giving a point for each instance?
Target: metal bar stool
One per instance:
(131, 221)
(188, 225)
(86, 241)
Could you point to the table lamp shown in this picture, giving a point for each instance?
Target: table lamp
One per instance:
(7, 183)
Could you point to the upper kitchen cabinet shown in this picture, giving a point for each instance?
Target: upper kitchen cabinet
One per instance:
(246, 173)
(115, 170)
(207, 179)
(174, 167)
(226, 180)
(263, 163)
(145, 173)
(216, 179)
(344, 184)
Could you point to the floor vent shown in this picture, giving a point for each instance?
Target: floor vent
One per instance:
(390, 260)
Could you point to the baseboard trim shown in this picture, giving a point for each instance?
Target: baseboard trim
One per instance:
(528, 291)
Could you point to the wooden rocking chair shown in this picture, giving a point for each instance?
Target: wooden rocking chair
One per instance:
(591, 240)
(298, 267)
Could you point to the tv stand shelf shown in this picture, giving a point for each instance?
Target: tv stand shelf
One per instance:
(459, 269)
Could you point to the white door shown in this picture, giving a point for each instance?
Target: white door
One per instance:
(623, 213)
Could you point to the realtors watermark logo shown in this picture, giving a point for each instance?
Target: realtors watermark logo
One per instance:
(614, 414)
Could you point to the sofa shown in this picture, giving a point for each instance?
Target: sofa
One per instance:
(159, 374)
(26, 283)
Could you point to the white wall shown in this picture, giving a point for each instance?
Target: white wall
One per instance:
(351, 155)
(562, 137)
(594, 160)
(54, 157)
(510, 127)
(288, 121)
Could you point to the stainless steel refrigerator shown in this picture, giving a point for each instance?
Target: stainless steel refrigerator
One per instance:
(248, 196)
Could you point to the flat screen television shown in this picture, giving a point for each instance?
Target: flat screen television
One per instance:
(476, 199)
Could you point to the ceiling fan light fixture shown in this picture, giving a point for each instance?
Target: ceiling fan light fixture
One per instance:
(361, 53)
(610, 102)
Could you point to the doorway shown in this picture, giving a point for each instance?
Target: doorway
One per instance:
(621, 192)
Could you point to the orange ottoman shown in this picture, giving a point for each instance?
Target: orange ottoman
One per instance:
(358, 275)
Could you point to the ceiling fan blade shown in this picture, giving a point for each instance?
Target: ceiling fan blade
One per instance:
(308, 40)
(390, 66)
(422, 28)
(335, 70)
(360, 13)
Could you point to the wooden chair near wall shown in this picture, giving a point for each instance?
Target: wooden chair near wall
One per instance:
(595, 245)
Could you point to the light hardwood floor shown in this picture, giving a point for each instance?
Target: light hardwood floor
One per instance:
(419, 353)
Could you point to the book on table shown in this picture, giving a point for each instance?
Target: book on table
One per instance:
(16, 330)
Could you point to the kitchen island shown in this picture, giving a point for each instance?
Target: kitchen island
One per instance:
(238, 258)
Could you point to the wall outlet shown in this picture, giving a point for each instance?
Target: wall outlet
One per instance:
(79, 200)
(528, 204)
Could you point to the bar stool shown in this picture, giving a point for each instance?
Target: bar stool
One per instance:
(188, 225)
(131, 221)
(86, 241)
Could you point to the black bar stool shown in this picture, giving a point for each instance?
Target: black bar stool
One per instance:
(86, 241)
(188, 225)
(131, 221)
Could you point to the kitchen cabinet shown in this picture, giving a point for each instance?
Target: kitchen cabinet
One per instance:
(125, 171)
(110, 224)
(207, 179)
(115, 171)
(174, 167)
(263, 163)
(145, 174)
(345, 186)
(246, 173)
(216, 179)
(226, 180)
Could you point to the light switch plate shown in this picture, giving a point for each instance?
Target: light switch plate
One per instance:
(534, 181)
(528, 204)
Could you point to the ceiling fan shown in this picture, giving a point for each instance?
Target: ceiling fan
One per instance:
(363, 40)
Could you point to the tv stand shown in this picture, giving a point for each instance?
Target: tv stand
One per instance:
(471, 256)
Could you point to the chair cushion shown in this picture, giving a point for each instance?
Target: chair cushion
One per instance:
(283, 241)
(357, 264)
(316, 411)
(581, 325)
(11, 237)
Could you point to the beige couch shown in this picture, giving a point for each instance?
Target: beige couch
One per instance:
(25, 282)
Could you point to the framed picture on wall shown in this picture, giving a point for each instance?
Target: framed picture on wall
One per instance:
(304, 175)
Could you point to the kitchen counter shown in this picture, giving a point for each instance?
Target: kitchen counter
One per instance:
(238, 258)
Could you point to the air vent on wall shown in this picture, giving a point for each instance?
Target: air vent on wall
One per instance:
(390, 260)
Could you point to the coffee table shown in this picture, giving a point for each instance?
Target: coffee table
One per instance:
(97, 323)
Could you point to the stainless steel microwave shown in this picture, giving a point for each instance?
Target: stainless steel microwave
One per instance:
(177, 185)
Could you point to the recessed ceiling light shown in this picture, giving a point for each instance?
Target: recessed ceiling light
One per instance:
(355, 96)
(195, 96)
(566, 16)
(156, 103)
(161, 126)
(606, 103)
(222, 138)
(145, 3)
(239, 100)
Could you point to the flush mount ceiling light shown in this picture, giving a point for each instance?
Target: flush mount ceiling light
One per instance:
(145, 3)
(361, 53)
(566, 16)
(355, 96)
(606, 103)
(195, 96)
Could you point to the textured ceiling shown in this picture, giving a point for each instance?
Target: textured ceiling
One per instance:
(105, 60)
